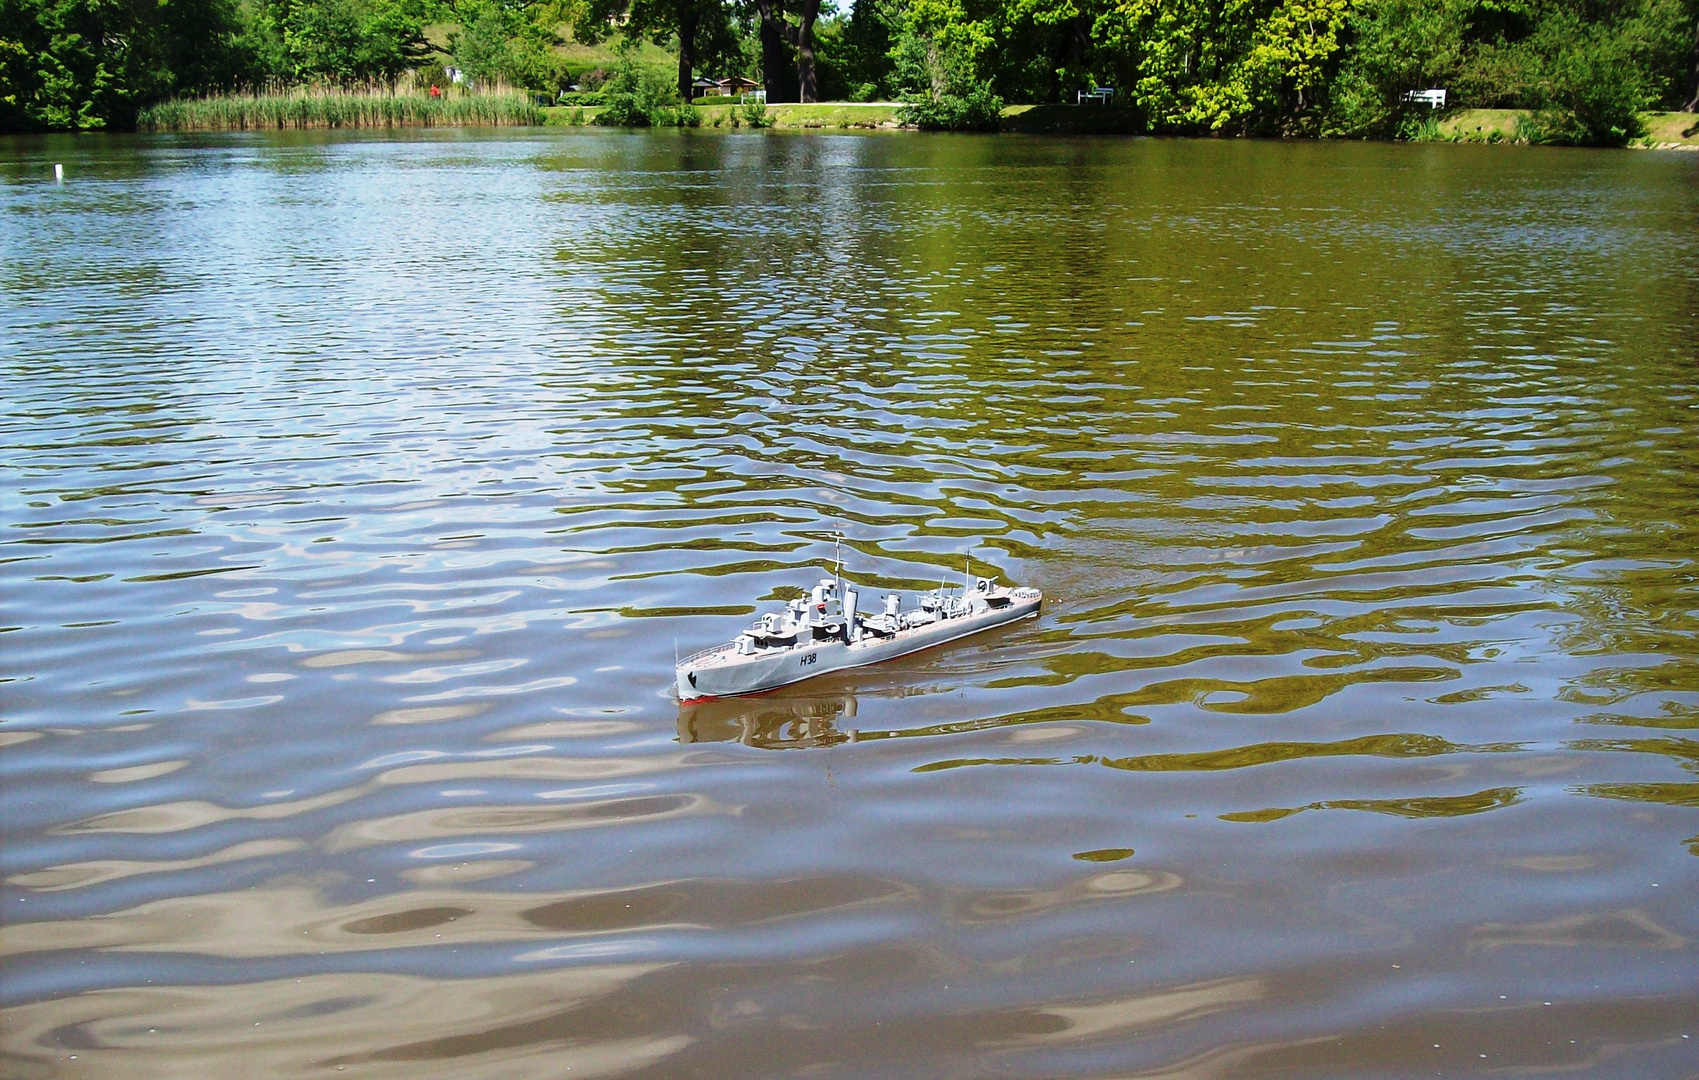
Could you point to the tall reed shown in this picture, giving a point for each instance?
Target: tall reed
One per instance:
(340, 107)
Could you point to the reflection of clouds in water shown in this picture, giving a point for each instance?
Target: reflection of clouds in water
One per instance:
(463, 820)
(374, 1024)
(589, 950)
(1125, 1016)
(297, 921)
(182, 816)
(513, 767)
(1628, 929)
(996, 906)
(428, 714)
(80, 875)
(569, 729)
(594, 791)
(133, 773)
(445, 874)
(460, 851)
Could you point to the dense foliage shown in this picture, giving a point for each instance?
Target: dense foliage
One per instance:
(1581, 69)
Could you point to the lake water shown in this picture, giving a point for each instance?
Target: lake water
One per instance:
(359, 492)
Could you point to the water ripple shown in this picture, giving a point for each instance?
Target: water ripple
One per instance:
(363, 487)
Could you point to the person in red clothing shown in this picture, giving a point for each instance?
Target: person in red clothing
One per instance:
(436, 91)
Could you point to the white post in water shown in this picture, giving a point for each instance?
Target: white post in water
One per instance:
(58, 173)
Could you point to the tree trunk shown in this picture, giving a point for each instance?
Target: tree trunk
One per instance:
(686, 50)
(1079, 39)
(1692, 104)
(807, 79)
(773, 64)
(776, 32)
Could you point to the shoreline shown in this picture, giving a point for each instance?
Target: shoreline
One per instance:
(1664, 130)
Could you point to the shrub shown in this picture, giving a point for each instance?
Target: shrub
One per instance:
(431, 74)
(1399, 45)
(1592, 93)
(755, 115)
(978, 110)
(939, 66)
(633, 97)
(624, 110)
(1421, 127)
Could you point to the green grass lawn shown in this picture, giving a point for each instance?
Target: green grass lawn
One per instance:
(1482, 125)
(882, 115)
(1665, 130)
(831, 115)
(1672, 129)
(818, 116)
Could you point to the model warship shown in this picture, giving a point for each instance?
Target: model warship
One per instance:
(828, 630)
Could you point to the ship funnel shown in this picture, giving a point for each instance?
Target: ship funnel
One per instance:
(852, 629)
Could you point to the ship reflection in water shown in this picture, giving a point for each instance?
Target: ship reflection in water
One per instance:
(782, 720)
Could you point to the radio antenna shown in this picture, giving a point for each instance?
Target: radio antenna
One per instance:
(838, 562)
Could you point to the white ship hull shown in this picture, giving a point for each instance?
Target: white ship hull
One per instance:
(724, 672)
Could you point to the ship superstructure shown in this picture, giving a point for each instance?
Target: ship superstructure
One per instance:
(829, 630)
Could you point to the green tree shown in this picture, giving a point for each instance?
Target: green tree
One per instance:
(85, 65)
(509, 43)
(866, 46)
(1292, 59)
(936, 65)
(701, 29)
(1045, 50)
(1589, 89)
(354, 40)
(777, 30)
(632, 97)
(1398, 45)
(1185, 53)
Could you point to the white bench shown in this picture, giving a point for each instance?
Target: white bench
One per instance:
(1433, 99)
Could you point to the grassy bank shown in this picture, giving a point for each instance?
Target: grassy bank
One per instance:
(1482, 125)
(1664, 131)
(882, 115)
(1671, 131)
(324, 107)
(818, 116)
(330, 107)
(827, 115)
